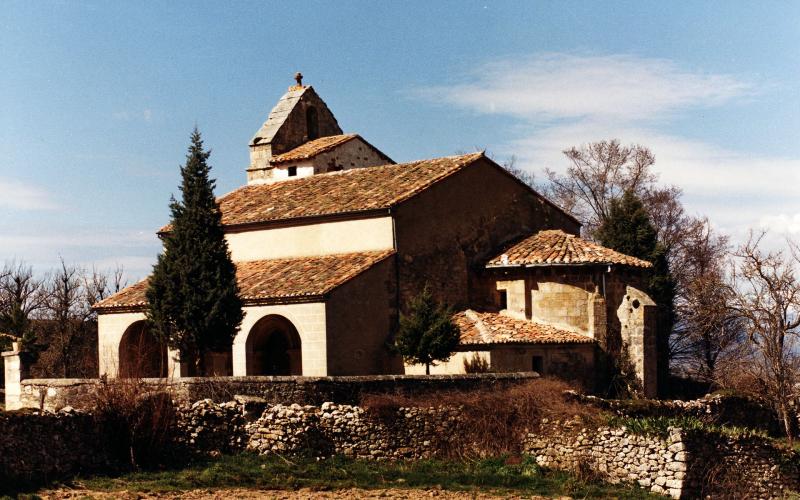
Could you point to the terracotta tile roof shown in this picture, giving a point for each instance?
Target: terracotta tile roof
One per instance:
(494, 328)
(355, 190)
(266, 280)
(312, 148)
(554, 247)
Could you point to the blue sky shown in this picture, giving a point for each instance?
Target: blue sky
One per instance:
(97, 100)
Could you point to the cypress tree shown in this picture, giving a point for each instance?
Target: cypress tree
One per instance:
(628, 229)
(194, 303)
(427, 333)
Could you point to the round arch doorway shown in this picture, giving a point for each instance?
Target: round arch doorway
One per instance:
(141, 354)
(273, 348)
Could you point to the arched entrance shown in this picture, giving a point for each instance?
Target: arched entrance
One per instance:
(273, 348)
(141, 355)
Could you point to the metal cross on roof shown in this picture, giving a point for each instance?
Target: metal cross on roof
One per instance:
(298, 77)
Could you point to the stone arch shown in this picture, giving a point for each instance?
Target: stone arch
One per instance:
(273, 347)
(141, 354)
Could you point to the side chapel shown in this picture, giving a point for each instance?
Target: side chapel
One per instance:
(331, 238)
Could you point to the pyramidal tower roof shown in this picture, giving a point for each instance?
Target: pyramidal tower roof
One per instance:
(279, 114)
(288, 126)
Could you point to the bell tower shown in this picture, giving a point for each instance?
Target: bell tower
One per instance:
(298, 117)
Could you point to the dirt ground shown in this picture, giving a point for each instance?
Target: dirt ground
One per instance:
(302, 494)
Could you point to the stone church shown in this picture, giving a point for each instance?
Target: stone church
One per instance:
(331, 239)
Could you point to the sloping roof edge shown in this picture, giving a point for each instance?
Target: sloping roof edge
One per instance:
(490, 328)
(132, 298)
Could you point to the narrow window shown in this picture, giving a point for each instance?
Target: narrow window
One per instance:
(312, 125)
(537, 364)
(292, 171)
(503, 299)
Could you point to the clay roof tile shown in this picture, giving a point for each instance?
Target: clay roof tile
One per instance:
(557, 247)
(485, 328)
(275, 279)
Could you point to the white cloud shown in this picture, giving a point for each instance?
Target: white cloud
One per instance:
(565, 100)
(135, 250)
(556, 85)
(782, 223)
(20, 196)
(735, 190)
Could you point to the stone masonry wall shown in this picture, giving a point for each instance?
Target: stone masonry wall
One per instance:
(682, 464)
(42, 447)
(618, 456)
(331, 429)
(53, 394)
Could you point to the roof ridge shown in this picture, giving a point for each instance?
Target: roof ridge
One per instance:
(481, 328)
(479, 324)
(350, 191)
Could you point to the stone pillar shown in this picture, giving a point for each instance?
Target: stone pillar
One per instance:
(15, 372)
(176, 369)
(637, 317)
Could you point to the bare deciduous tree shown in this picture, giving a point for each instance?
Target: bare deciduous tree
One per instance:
(708, 330)
(97, 285)
(21, 298)
(67, 311)
(600, 172)
(767, 299)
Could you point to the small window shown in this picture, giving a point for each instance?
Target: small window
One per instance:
(292, 171)
(503, 301)
(537, 364)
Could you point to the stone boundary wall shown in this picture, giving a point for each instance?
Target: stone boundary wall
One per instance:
(44, 447)
(331, 429)
(681, 465)
(54, 394)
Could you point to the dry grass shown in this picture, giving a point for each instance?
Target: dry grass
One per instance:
(494, 421)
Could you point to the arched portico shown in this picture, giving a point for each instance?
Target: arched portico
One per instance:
(141, 354)
(273, 347)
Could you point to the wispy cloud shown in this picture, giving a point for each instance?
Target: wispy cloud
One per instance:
(563, 100)
(17, 195)
(734, 189)
(548, 86)
(89, 248)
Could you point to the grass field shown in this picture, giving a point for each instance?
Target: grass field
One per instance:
(517, 475)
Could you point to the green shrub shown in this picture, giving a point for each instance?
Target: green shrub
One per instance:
(659, 426)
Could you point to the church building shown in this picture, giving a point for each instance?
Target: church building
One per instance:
(331, 239)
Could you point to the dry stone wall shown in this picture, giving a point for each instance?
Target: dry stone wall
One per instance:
(618, 456)
(682, 465)
(42, 447)
(45, 446)
(331, 429)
